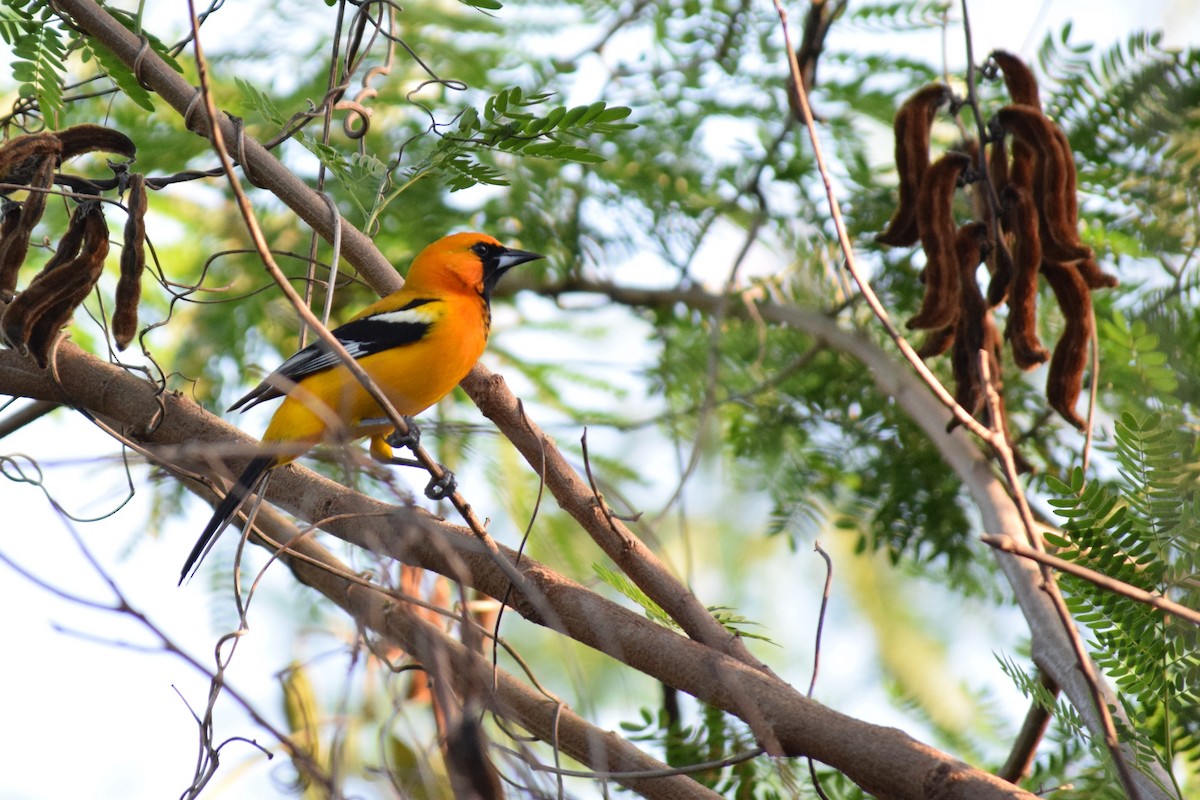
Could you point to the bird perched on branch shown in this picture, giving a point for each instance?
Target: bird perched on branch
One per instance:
(415, 344)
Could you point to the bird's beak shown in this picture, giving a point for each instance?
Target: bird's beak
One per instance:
(511, 258)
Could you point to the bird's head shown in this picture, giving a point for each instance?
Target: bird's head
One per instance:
(473, 259)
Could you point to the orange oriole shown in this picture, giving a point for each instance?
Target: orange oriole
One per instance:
(416, 344)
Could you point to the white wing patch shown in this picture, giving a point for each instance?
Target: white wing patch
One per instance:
(421, 315)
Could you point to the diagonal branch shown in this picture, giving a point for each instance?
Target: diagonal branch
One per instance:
(471, 674)
(178, 433)
(1052, 651)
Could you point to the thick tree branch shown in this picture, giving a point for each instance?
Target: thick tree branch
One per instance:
(471, 674)
(181, 435)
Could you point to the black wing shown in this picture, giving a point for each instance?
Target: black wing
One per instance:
(360, 337)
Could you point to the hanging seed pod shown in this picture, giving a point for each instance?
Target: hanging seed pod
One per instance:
(35, 316)
(80, 139)
(133, 264)
(935, 220)
(1021, 330)
(937, 342)
(998, 172)
(1053, 180)
(1001, 263)
(973, 318)
(10, 221)
(15, 245)
(69, 244)
(21, 159)
(85, 272)
(1095, 277)
(912, 128)
(1018, 78)
(1064, 383)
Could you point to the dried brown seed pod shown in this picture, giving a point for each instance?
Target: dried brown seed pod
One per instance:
(975, 331)
(998, 163)
(133, 264)
(36, 314)
(1053, 180)
(1064, 383)
(1000, 260)
(935, 220)
(1095, 277)
(1021, 330)
(69, 244)
(912, 127)
(998, 172)
(15, 244)
(80, 139)
(10, 220)
(1070, 199)
(21, 158)
(937, 342)
(1018, 78)
(973, 319)
(85, 272)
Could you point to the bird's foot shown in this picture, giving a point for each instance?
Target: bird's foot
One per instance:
(440, 488)
(410, 439)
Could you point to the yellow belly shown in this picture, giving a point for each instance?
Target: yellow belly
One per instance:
(332, 404)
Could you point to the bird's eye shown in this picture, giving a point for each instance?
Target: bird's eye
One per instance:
(480, 249)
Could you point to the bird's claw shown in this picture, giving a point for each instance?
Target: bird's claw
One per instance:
(440, 488)
(410, 439)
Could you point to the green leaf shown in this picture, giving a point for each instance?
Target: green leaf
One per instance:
(39, 53)
(629, 589)
(121, 75)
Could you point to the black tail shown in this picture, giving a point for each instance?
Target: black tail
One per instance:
(249, 480)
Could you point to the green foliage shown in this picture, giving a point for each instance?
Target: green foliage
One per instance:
(715, 737)
(121, 75)
(39, 53)
(115, 69)
(1069, 756)
(910, 15)
(506, 125)
(1142, 530)
(1129, 114)
(630, 590)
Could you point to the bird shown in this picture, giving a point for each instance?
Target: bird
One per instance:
(416, 344)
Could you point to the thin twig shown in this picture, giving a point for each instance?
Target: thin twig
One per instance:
(1010, 545)
(812, 684)
(24, 416)
(1033, 729)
